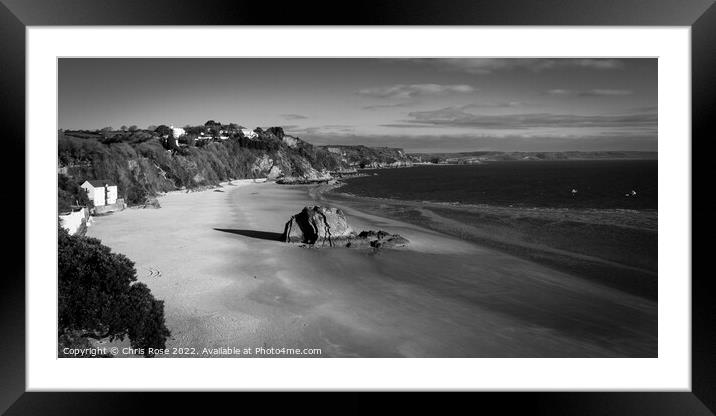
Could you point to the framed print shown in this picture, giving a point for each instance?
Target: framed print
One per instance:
(393, 199)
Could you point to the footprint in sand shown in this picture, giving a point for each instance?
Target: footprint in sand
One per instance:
(153, 273)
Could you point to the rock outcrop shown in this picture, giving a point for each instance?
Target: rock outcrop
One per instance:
(318, 226)
(151, 202)
(322, 226)
(309, 176)
(379, 239)
(304, 180)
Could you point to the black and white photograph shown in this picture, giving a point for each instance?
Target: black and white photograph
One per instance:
(482, 197)
(460, 207)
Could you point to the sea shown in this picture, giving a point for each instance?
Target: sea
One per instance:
(594, 184)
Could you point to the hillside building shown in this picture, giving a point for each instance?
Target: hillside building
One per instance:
(100, 192)
(249, 134)
(177, 132)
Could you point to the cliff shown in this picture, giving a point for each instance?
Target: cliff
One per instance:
(369, 157)
(147, 162)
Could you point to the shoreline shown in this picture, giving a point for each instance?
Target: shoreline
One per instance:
(215, 260)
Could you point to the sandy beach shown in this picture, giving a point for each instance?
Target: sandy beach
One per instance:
(227, 282)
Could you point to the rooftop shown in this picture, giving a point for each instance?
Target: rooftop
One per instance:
(98, 183)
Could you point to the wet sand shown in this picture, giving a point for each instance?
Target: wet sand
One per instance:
(226, 281)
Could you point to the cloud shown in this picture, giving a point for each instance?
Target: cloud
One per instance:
(598, 63)
(391, 105)
(598, 93)
(484, 66)
(323, 129)
(590, 93)
(645, 109)
(404, 91)
(558, 91)
(508, 104)
(293, 116)
(407, 124)
(458, 117)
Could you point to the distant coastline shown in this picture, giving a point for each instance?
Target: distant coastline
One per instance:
(434, 158)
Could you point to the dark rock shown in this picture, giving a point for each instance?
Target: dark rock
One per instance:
(380, 239)
(311, 176)
(321, 226)
(301, 180)
(151, 202)
(318, 225)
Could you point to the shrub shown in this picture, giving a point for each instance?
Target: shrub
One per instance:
(69, 193)
(100, 298)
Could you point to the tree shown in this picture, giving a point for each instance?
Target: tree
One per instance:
(163, 130)
(136, 194)
(276, 131)
(106, 131)
(99, 296)
(133, 128)
(123, 128)
(69, 193)
(196, 130)
(212, 127)
(151, 127)
(188, 139)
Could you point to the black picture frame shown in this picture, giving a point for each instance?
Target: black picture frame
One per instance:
(16, 15)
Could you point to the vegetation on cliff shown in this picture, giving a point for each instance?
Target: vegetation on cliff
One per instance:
(69, 194)
(146, 162)
(369, 157)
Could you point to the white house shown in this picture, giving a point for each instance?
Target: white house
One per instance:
(250, 134)
(100, 191)
(177, 132)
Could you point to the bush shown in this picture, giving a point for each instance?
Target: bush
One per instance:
(100, 298)
(69, 193)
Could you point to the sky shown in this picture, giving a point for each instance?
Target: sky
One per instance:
(419, 104)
